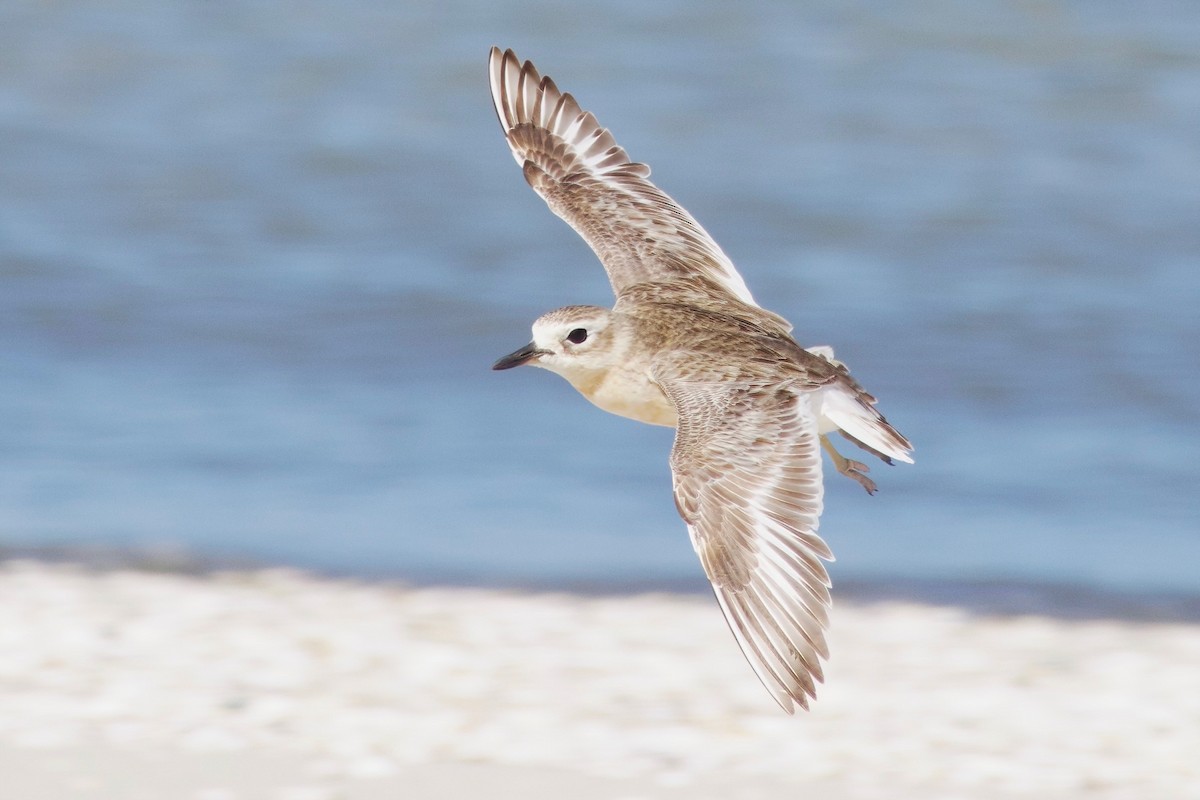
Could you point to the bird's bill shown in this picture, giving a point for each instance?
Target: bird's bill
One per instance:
(519, 357)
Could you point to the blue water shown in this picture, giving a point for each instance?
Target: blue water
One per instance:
(256, 259)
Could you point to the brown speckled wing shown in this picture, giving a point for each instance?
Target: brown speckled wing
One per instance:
(747, 474)
(638, 232)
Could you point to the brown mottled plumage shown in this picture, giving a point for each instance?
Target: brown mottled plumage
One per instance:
(687, 346)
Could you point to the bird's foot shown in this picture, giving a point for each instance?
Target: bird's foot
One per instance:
(855, 470)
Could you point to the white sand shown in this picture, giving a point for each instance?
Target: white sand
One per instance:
(272, 684)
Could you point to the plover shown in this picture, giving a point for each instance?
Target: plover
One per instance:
(687, 346)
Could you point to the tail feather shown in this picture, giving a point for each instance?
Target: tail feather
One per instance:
(859, 422)
(884, 458)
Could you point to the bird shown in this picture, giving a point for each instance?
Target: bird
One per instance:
(686, 346)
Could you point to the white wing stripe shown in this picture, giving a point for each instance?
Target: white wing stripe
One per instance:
(800, 584)
(779, 586)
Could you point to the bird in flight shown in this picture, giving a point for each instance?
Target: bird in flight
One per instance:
(687, 346)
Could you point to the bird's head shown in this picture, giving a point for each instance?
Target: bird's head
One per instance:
(570, 341)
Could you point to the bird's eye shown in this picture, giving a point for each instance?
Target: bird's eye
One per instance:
(577, 336)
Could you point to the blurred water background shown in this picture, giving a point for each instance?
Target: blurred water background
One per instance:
(256, 259)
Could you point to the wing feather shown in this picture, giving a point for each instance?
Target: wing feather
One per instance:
(639, 233)
(747, 474)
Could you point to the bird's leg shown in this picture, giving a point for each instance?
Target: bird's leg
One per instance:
(849, 468)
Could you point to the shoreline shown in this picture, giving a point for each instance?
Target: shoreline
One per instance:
(362, 684)
(984, 595)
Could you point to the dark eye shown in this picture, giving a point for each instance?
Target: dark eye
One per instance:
(577, 336)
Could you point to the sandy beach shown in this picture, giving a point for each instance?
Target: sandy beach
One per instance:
(278, 685)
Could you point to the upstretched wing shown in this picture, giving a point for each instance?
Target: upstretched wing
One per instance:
(638, 232)
(747, 474)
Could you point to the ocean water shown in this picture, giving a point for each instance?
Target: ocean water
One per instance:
(256, 259)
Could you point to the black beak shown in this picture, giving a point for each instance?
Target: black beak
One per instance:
(519, 357)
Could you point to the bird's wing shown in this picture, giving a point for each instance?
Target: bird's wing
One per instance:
(639, 233)
(747, 474)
